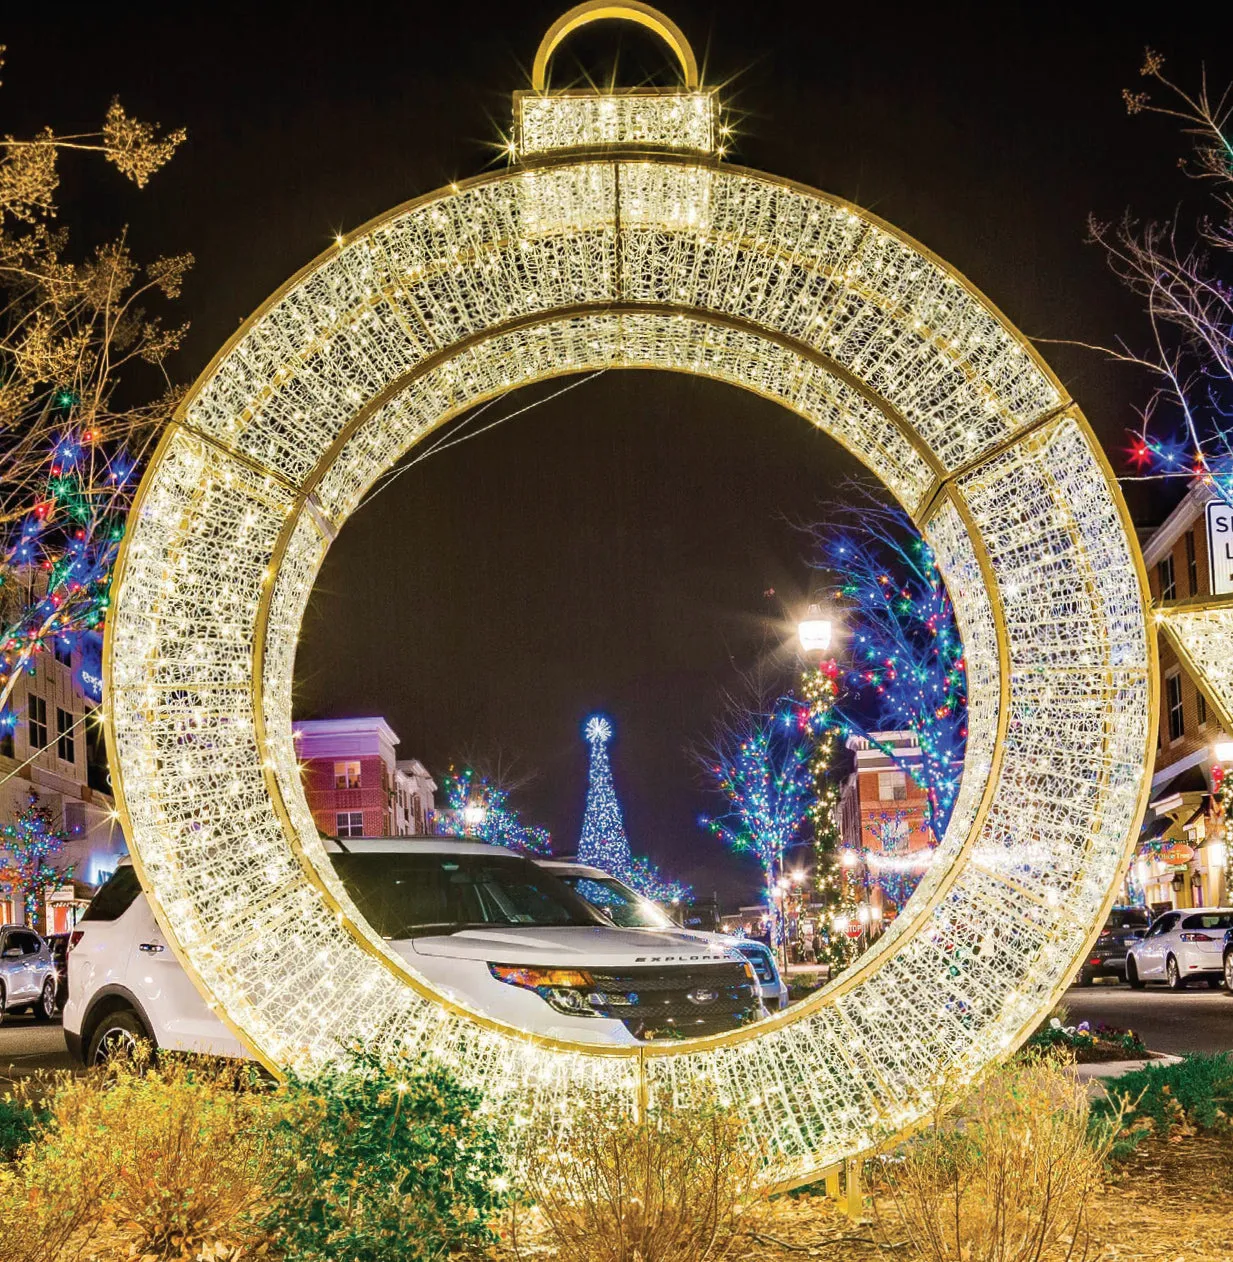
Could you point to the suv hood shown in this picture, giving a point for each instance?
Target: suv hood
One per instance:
(570, 945)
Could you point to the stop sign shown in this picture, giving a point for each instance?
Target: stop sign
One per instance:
(855, 928)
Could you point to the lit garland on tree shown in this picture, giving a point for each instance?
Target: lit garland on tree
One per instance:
(27, 846)
(497, 823)
(907, 670)
(603, 843)
(761, 760)
(55, 570)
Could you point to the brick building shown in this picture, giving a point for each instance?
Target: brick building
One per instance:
(52, 747)
(1181, 807)
(355, 785)
(882, 813)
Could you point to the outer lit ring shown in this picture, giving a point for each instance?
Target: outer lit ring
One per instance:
(646, 262)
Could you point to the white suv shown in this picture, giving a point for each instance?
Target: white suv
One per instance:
(628, 909)
(486, 925)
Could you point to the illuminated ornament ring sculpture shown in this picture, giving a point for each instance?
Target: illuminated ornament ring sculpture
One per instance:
(619, 239)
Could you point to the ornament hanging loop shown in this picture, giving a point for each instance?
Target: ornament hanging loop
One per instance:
(600, 10)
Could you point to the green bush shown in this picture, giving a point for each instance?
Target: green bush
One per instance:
(18, 1121)
(1189, 1096)
(392, 1162)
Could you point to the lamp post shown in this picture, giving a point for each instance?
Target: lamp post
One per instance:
(1222, 788)
(814, 631)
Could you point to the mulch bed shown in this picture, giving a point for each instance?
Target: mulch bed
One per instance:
(1171, 1202)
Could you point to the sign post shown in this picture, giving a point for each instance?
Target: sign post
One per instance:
(1220, 546)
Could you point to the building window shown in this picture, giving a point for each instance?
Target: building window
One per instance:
(1201, 706)
(63, 651)
(1173, 697)
(1168, 584)
(66, 747)
(1192, 564)
(347, 775)
(6, 739)
(36, 727)
(892, 786)
(349, 824)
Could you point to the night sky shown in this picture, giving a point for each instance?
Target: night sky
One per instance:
(613, 547)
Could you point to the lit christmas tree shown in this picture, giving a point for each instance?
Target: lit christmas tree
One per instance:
(27, 846)
(603, 843)
(760, 760)
(906, 669)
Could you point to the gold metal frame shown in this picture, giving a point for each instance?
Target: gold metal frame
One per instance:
(630, 11)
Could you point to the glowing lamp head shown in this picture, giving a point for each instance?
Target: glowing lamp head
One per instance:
(1222, 751)
(473, 814)
(598, 728)
(814, 631)
(849, 859)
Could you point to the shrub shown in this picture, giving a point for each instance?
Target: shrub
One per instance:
(392, 1162)
(683, 1186)
(1010, 1180)
(154, 1163)
(1182, 1098)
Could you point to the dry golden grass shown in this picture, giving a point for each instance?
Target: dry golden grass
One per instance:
(681, 1187)
(162, 1164)
(1008, 1177)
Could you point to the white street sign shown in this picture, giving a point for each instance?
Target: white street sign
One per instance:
(1220, 546)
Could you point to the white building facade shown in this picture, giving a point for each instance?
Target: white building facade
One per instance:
(51, 753)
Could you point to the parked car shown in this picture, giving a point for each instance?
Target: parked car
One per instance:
(59, 943)
(486, 925)
(1179, 946)
(628, 909)
(1107, 958)
(1228, 960)
(27, 974)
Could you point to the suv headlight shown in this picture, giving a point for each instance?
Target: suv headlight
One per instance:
(568, 990)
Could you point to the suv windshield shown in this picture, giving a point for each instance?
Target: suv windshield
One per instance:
(409, 895)
(625, 908)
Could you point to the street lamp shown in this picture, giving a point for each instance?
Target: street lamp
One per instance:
(1222, 775)
(814, 630)
(473, 815)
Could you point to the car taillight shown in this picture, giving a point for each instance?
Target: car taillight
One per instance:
(1198, 937)
(75, 937)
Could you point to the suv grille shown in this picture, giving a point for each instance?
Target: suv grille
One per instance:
(681, 1002)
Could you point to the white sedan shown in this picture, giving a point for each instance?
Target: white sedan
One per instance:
(1179, 946)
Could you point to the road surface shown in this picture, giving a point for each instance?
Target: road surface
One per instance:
(1197, 1020)
(1192, 1020)
(27, 1045)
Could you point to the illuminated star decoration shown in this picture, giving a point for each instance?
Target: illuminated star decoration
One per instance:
(603, 843)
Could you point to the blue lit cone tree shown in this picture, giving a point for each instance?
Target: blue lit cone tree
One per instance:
(604, 843)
